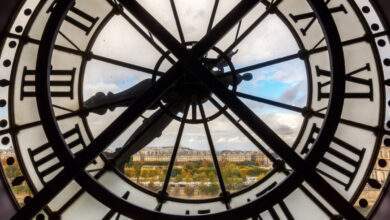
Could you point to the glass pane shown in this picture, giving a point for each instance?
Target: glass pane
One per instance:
(194, 175)
(242, 163)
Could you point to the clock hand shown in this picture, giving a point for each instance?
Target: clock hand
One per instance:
(127, 97)
(122, 99)
(217, 67)
(153, 126)
(150, 129)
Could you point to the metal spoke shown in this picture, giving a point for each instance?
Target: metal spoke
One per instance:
(302, 54)
(92, 56)
(246, 115)
(220, 30)
(212, 17)
(270, 102)
(307, 112)
(145, 35)
(174, 152)
(71, 114)
(243, 130)
(177, 20)
(238, 30)
(267, 63)
(82, 160)
(279, 146)
(126, 65)
(225, 194)
(150, 129)
(194, 114)
(252, 27)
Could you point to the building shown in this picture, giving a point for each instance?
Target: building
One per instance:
(163, 154)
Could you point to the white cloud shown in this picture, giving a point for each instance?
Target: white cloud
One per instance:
(269, 40)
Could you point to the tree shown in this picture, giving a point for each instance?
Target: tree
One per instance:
(213, 188)
(189, 190)
(152, 186)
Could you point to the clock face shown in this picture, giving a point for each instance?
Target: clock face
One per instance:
(115, 109)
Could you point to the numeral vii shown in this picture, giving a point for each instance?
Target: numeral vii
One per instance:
(342, 151)
(44, 160)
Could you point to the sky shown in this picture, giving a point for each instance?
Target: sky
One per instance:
(285, 82)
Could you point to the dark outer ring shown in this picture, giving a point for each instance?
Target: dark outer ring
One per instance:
(245, 211)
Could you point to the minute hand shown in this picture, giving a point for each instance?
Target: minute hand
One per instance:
(150, 129)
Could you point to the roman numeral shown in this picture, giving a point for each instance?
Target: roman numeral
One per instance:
(78, 18)
(312, 17)
(44, 160)
(112, 213)
(61, 83)
(345, 152)
(286, 214)
(351, 78)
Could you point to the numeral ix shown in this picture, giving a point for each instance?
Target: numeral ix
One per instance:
(61, 83)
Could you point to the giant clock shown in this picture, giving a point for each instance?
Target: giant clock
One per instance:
(88, 85)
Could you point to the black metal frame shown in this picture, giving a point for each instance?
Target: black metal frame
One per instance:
(44, 91)
(188, 59)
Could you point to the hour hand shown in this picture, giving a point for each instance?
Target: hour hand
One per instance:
(100, 103)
